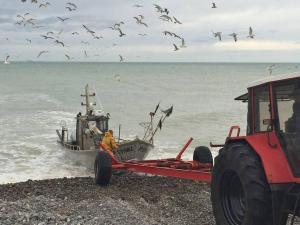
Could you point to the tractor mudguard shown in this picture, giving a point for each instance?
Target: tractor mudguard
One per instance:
(272, 156)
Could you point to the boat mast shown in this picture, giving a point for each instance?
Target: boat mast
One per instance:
(88, 104)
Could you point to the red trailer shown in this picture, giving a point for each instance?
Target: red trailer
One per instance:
(255, 179)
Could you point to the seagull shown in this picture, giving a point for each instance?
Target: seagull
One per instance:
(121, 33)
(121, 58)
(270, 69)
(6, 60)
(218, 35)
(88, 29)
(117, 25)
(63, 19)
(251, 35)
(176, 20)
(46, 37)
(166, 11)
(139, 20)
(28, 40)
(175, 47)
(60, 42)
(118, 77)
(75, 33)
(69, 8)
(214, 6)
(166, 18)
(72, 4)
(68, 57)
(143, 35)
(137, 6)
(44, 5)
(177, 36)
(41, 53)
(234, 35)
(49, 33)
(168, 33)
(158, 8)
(85, 54)
(96, 37)
(182, 43)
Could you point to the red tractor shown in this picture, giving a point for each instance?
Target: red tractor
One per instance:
(255, 179)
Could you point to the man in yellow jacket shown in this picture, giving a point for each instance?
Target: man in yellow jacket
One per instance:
(109, 142)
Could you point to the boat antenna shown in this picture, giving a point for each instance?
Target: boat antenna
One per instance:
(166, 113)
(98, 100)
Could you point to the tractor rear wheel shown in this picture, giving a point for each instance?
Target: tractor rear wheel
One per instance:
(240, 193)
(202, 154)
(103, 168)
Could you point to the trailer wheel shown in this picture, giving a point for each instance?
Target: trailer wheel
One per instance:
(103, 168)
(202, 154)
(240, 193)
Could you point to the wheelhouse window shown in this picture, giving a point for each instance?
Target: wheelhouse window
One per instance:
(262, 110)
(287, 103)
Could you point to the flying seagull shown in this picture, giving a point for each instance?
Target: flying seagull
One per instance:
(270, 69)
(218, 35)
(175, 47)
(214, 6)
(251, 34)
(60, 42)
(139, 20)
(137, 6)
(63, 19)
(176, 20)
(29, 41)
(72, 4)
(41, 53)
(46, 37)
(166, 18)
(121, 58)
(182, 43)
(68, 57)
(234, 35)
(75, 33)
(167, 33)
(121, 33)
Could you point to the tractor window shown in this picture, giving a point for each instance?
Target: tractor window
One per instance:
(262, 109)
(287, 101)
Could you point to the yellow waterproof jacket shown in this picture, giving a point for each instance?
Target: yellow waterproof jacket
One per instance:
(109, 142)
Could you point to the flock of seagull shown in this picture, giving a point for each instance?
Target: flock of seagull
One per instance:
(28, 20)
(163, 14)
(233, 35)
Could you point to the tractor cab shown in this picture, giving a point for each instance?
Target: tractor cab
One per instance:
(274, 107)
(260, 172)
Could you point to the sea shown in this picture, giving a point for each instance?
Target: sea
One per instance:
(36, 97)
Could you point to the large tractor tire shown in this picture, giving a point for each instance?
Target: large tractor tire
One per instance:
(103, 168)
(240, 193)
(202, 154)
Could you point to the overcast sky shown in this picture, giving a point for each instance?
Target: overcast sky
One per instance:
(276, 25)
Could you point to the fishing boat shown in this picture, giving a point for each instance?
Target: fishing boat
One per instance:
(83, 144)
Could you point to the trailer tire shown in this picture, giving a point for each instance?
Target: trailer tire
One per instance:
(202, 154)
(103, 168)
(240, 193)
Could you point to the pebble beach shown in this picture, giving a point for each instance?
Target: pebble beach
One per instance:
(128, 199)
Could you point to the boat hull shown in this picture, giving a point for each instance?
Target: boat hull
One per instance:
(128, 150)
